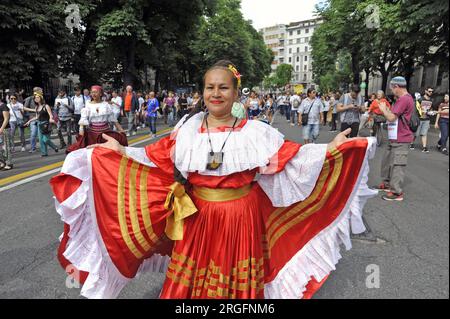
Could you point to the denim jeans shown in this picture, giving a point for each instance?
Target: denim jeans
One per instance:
(311, 132)
(34, 134)
(152, 124)
(13, 126)
(287, 112)
(443, 126)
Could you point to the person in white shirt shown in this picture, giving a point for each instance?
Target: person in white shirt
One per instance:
(312, 109)
(79, 102)
(16, 121)
(87, 95)
(116, 104)
(295, 102)
(140, 119)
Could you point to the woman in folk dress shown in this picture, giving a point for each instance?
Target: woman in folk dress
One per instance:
(222, 213)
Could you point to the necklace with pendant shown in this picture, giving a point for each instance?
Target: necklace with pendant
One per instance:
(215, 159)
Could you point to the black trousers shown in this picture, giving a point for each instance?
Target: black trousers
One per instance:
(353, 126)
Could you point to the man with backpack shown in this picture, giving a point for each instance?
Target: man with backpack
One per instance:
(64, 109)
(402, 123)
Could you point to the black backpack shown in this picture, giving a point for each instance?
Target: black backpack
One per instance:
(414, 122)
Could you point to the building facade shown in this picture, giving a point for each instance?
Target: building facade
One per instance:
(294, 48)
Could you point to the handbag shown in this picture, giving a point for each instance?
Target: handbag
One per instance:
(45, 127)
(19, 121)
(305, 116)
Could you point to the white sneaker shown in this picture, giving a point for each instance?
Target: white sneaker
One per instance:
(134, 133)
(22, 149)
(128, 134)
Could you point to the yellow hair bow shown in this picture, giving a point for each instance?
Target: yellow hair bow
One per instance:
(236, 74)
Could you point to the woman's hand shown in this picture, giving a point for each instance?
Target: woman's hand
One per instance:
(340, 139)
(436, 125)
(111, 143)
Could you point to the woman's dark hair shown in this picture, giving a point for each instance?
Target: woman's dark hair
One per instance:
(223, 65)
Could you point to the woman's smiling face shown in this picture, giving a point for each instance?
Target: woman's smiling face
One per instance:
(219, 93)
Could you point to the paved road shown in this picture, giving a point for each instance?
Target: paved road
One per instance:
(412, 250)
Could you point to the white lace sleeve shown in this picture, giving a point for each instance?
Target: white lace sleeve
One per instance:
(84, 120)
(298, 179)
(139, 155)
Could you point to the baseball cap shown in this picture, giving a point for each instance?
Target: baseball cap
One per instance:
(399, 80)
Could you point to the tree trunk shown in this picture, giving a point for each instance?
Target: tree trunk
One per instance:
(129, 67)
(367, 83)
(384, 75)
(355, 68)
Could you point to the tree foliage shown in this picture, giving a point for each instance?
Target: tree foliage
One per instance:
(409, 33)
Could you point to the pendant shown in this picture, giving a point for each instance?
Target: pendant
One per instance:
(215, 160)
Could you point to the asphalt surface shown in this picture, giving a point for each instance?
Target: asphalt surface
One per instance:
(408, 241)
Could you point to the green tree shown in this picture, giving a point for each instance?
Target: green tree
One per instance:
(226, 35)
(283, 74)
(33, 41)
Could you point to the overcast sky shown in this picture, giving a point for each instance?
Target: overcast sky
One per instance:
(265, 13)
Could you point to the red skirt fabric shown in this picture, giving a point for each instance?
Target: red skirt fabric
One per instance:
(91, 138)
(223, 252)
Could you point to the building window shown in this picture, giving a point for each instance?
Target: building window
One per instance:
(306, 48)
(291, 33)
(291, 41)
(298, 31)
(305, 68)
(306, 30)
(281, 60)
(296, 78)
(290, 60)
(290, 51)
(306, 58)
(298, 40)
(298, 59)
(298, 49)
(305, 77)
(297, 68)
(306, 40)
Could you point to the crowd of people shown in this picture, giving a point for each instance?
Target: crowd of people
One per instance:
(138, 109)
(70, 115)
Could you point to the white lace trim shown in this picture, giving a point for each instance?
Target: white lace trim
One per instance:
(320, 255)
(85, 248)
(251, 147)
(298, 179)
(139, 155)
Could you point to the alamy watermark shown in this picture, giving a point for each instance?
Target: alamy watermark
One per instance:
(373, 279)
(373, 19)
(73, 20)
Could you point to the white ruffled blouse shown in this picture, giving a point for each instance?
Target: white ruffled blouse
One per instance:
(97, 113)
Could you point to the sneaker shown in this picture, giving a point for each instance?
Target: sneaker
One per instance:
(384, 187)
(128, 134)
(134, 133)
(444, 151)
(44, 155)
(292, 124)
(32, 151)
(23, 149)
(425, 150)
(393, 197)
(411, 147)
(56, 150)
(438, 147)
